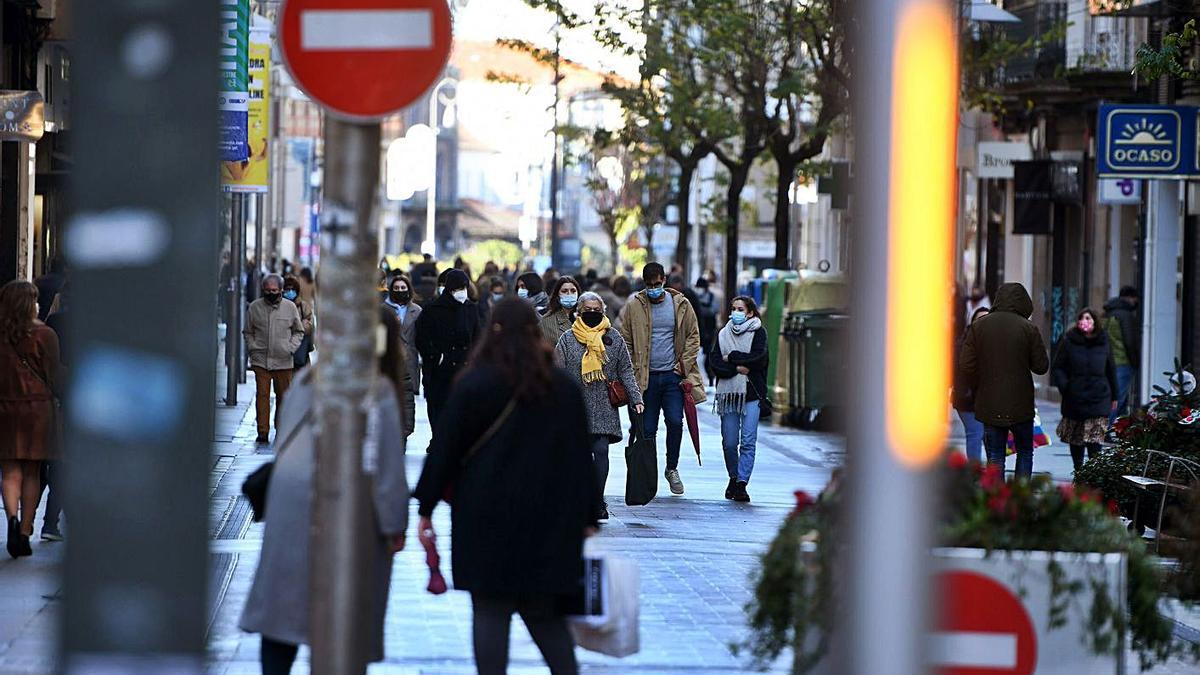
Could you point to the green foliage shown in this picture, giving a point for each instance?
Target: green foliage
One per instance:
(495, 250)
(1167, 60)
(987, 53)
(795, 597)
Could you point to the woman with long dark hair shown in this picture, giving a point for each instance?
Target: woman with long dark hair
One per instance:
(29, 385)
(560, 313)
(522, 502)
(740, 364)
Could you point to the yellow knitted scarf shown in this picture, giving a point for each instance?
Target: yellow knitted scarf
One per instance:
(592, 340)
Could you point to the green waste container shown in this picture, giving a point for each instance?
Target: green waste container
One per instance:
(817, 368)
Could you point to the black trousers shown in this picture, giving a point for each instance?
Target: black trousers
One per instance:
(492, 618)
(1093, 449)
(277, 657)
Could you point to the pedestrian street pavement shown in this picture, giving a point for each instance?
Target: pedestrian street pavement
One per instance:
(695, 553)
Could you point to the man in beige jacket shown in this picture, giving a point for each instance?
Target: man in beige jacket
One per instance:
(660, 328)
(273, 333)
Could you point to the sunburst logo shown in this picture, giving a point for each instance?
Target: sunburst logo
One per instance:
(1143, 132)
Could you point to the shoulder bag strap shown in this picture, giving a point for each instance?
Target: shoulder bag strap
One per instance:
(41, 378)
(491, 431)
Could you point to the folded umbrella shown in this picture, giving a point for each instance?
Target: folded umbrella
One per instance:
(689, 413)
(437, 583)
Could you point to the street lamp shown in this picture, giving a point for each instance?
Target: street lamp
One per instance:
(430, 244)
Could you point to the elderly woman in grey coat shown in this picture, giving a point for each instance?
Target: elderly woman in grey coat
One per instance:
(277, 607)
(594, 353)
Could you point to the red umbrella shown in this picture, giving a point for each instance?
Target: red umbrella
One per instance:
(689, 413)
(437, 583)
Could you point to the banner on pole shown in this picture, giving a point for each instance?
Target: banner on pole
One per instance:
(253, 173)
(235, 79)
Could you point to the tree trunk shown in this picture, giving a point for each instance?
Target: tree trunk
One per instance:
(783, 213)
(683, 203)
(733, 211)
(614, 248)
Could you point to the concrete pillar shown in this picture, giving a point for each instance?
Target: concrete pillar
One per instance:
(1160, 313)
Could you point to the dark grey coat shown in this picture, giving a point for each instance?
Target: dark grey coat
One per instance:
(278, 603)
(603, 419)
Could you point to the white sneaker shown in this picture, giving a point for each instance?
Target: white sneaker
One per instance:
(673, 479)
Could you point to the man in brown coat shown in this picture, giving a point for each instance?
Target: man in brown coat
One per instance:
(663, 336)
(999, 352)
(273, 333)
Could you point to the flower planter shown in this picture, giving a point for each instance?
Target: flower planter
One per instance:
(997, 611)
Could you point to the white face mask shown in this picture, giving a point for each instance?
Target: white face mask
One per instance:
(460, 295)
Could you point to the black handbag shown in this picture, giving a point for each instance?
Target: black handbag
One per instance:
(641, 461)
(765, 407)
(254, 488)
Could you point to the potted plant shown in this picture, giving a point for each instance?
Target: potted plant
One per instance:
(1050, 532)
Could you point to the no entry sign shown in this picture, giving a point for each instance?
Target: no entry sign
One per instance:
(983, 629)
(365, 59)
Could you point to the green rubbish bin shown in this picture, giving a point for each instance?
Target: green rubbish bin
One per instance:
(817, 368)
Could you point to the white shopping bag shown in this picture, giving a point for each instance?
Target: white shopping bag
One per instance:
(610, 624)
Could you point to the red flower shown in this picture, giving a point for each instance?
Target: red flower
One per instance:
(803, 501)
(957, 461)
(1122, 425)
(993, 476)
(1089, 497)
(999, 502)
(1067, 491)
(1113, 507)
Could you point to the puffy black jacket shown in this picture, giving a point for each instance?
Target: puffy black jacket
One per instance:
(1085, 375)
(999, 353)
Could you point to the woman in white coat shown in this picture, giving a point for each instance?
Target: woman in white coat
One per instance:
(277, 607)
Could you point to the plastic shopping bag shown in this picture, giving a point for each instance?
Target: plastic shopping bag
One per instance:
(605, 619)
(1040, 437)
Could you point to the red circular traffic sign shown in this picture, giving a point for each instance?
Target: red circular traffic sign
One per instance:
(983, 628)
(365, 59)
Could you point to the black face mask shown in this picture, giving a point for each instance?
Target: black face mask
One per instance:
(400, 297)
(592, 319)
(273, 298)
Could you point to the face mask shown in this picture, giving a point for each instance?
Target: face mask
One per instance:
(272, 298)
(592, 319)
(568, 301)
(290, 294)
(400, 297)
(460, 295)
(440, 289)
(655, 293)
(738, 318)
(1086, 324)
(522, 292)
(497, 297)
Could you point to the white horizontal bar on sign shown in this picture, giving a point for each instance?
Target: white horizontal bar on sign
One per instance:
(365, 29)
(973, 650)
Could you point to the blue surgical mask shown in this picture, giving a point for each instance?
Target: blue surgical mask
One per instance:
(738, 318)
(655, 293)
(290, 294)
(522, 292)
(497, 297)
(568, 301)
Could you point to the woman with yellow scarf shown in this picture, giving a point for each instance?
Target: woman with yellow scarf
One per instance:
(594, 354)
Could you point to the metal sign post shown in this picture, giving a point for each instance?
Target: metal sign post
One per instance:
(906, 110)
(142, 243)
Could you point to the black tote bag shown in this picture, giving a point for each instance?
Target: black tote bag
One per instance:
(641, 461)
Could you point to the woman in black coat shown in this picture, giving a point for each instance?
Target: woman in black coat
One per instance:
(522, 502)
(1086, 376)
(446, 332)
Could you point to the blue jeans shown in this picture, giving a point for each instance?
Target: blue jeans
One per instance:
(995, 439)
(663, 394)
(739, 435)
(974, 443)
(1124, 379)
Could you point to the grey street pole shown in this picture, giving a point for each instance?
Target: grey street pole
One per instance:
(234, 361)
(139, 406)
(906, 103)
(343, 542)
